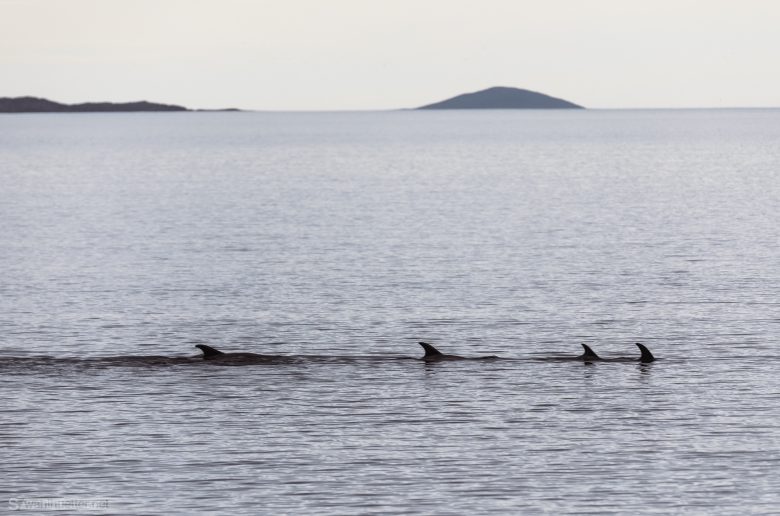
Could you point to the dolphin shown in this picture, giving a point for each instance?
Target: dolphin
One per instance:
(434, 355)
(589, 355)
(646, 357)
(217, 356)
(209, 352)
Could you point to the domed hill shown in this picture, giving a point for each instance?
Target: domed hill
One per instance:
(503, 98)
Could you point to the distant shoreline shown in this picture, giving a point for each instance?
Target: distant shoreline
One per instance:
(41, 105)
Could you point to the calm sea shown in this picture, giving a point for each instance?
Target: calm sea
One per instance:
(344, 239)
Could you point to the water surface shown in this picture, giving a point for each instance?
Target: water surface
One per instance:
(344, 239)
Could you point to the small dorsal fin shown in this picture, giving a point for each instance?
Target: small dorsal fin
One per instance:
(208, 351)
(589, 353)
(646, 355)
(430, 351)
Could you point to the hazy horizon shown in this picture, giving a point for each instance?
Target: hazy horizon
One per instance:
(351, 55)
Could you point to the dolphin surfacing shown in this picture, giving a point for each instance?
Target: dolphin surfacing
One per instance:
(646, 357)
(434, 355)
(209, 352)
(589, 355)
(220, 357)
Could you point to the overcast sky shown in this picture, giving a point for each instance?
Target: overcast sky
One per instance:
(386, 54)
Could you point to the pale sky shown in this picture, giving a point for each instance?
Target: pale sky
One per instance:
(387, 54)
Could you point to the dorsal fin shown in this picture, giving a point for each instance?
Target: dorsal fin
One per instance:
(208, 351)
(430, 351)
(589, 353)
(646, 355)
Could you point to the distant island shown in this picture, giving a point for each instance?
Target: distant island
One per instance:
(39, 105)
(500, 97)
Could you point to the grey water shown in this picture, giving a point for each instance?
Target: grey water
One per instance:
(343, 239)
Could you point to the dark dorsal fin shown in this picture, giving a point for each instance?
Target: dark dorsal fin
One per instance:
(646, 355)
(208, 351)
(589, 353)
(430, 351)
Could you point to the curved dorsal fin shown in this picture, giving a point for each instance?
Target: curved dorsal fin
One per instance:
(646, 355)
(430, 351)
(589, 353)
(208, 351)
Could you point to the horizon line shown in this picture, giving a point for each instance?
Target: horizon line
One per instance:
(417, 108)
